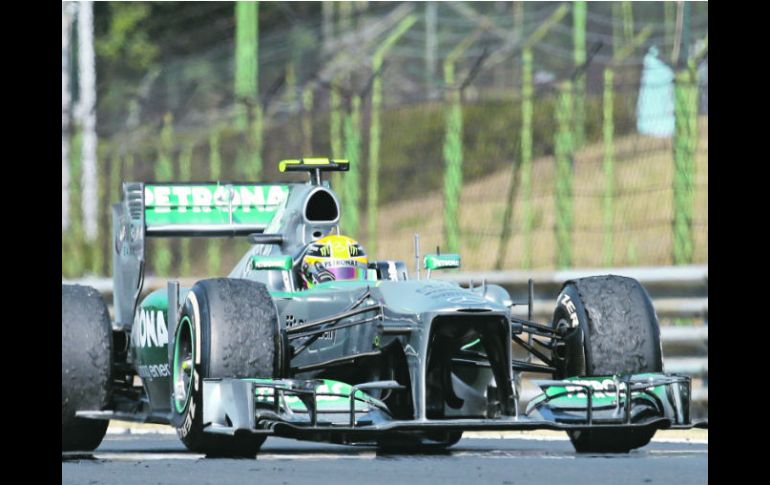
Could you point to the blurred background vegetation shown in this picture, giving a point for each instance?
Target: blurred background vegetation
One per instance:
(512, 132)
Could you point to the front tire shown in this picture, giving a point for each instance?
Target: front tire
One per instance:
(613, 329)
(86, 351)
(228, 328)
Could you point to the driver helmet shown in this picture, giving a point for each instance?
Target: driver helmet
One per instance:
(333, 258)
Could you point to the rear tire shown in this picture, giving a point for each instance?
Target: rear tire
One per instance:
(614, 330)
(237, 324)
(86, 351)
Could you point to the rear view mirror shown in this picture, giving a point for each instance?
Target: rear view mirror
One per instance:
(271, 262)
(441, 261)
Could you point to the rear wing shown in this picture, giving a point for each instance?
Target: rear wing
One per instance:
(208, 209)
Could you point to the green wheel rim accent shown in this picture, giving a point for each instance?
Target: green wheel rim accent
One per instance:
(178, 372)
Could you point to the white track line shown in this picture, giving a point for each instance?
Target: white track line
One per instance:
(123, 431)
(115, 456)
(118, 456)
(566, 438)
(316, 456)
(120, 431)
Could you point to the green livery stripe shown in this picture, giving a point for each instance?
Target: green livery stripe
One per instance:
(325, 402)
(157, 300)
(212, 204)
(603, 395)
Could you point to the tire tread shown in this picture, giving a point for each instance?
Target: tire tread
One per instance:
(86, 365)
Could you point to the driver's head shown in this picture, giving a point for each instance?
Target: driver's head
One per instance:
(333, 258)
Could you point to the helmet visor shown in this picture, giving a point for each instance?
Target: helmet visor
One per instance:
(347, 273)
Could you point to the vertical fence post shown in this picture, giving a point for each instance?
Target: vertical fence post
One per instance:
(164, 172)
(685, 140)
(608, 129)
(608, 134)
(628, 22)
(291, 85)
(372, 190)
(579, 45)
(352, 128)
(617, 25)
(253, 168)
(669, 22)
(74, 264)
(307, 121)
(87, 115)
(66, 99)
(431, 47)
(213, 259)
(453, 147)
(247, 89)
(526, 156)
(513, 187)
(185, 175)
(97, 245)
(527, 92)
(295, 137)
(453, 158)
(246, 67)
(335, 137)
(372, 187)
(128, 173)
(564, 161)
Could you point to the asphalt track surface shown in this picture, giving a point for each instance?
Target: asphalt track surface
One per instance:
(161, 459)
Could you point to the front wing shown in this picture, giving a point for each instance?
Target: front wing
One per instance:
(334, 411)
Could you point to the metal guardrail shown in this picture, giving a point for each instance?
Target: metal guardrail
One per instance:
(677, 292)
(680, 276)
(695, 307)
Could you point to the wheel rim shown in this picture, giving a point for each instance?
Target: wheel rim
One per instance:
(184, 357)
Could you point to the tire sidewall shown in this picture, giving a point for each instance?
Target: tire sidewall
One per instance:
(189, 422)
(577, 357)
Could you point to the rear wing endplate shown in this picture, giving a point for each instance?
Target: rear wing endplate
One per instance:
(208, 209)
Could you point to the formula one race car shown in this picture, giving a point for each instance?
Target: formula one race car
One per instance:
(306, 338)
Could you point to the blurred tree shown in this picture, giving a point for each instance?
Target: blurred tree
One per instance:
(126, 39)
